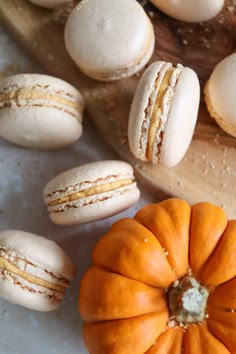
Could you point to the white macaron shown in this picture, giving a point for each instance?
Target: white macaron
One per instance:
(220, 94)
(109, 40)
(91, 192)
(40, 111)
(190, 10)
(34, 271)
(163, 113)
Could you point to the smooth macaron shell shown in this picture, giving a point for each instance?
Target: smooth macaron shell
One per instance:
(220, 94)
(39, 258)
(190, 11)
(95, 206)
(181, 107)
(109, 40)
(40, 111)
(50, 4)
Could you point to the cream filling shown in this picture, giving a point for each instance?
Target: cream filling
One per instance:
(160, 113)
(156, 113)
(7, 266)
(26, 97)
(91, 191)
(149, 108)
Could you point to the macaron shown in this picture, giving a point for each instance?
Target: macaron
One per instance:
(40, 111)
(190, 10)
(109, 40)
(34, 271)
(50, 4)
(163, 113)
(91, 192)
(220, 95)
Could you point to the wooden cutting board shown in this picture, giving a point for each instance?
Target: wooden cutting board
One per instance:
(208, 172)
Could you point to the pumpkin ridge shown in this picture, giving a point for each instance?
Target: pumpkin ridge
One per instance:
(218, 210)
(217, 337)
(126, 276)
(203, 336)
(106, 295)
(165, 251)
(210, 275)
(170, 220)
(127, 241)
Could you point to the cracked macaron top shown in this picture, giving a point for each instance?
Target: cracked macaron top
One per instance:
(109, 40)
(34, 271)
(40, 111)
(163, 113)
(91, 192)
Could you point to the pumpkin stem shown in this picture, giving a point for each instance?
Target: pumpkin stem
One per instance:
(188, 301)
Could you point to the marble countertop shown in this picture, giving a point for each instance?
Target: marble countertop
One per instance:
(23, 174)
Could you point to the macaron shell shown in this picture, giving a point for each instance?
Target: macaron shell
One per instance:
(31, 127)
(109, 23)
(32, 300)
(87, 174)
(112, 204)
(50, 4)
(39, 122)
(182, 119)
(220, 94)
(40, 251)
(190, 11)
(139, 106)
(47, 82)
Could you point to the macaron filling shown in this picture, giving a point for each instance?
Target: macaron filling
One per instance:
(38, 96)
(14, 268)
(102, 188)
(160, 110)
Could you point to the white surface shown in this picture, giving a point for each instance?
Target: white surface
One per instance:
(23, 174)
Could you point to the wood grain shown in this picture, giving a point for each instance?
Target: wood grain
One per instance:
(208, 172)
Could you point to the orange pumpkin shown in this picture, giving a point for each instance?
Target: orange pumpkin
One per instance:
(163, 283)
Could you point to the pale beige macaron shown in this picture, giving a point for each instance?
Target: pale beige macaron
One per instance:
(163, 113)
(220, 94)
(91, 192)
(190, 10)
(40, 111)
(50, 4)
(34, 271)
(109, 39)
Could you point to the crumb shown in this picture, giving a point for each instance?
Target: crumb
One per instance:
(60, 15)
(151, 14)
